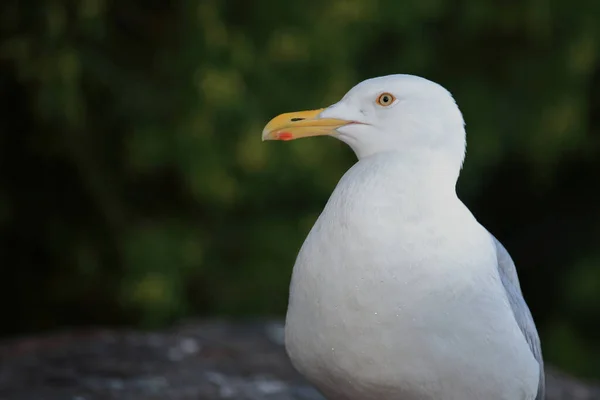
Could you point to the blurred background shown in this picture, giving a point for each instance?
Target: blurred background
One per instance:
(135, 190)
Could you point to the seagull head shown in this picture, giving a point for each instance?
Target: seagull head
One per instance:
(405, 114)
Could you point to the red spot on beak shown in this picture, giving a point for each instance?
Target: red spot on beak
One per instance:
(285, 136)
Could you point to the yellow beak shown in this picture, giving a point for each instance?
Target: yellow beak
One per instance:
(296, 125)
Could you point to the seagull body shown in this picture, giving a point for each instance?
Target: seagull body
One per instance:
(398, 292)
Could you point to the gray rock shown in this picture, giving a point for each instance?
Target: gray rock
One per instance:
(198, 360)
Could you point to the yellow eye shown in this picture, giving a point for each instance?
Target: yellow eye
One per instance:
(386, 99)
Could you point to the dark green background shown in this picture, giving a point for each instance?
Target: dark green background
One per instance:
(134, 187)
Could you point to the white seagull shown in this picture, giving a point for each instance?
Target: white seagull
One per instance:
(398, 293)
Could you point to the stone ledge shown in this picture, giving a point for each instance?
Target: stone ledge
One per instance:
(196, 360)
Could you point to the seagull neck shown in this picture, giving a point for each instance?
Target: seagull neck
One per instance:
(419, 171)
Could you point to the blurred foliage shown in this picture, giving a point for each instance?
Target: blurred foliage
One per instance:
(134, 187)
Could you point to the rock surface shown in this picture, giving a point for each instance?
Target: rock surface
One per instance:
(197, 360)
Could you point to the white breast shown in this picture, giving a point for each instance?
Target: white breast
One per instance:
(395, 295)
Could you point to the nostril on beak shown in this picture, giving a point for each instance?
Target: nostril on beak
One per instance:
(297, 119)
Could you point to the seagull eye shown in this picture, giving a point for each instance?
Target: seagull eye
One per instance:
(385, 99)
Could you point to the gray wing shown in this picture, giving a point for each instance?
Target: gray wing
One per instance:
(510, 280)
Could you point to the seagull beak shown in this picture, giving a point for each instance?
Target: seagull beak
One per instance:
(301, 124)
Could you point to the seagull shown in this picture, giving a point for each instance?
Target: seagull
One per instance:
(398, 292)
